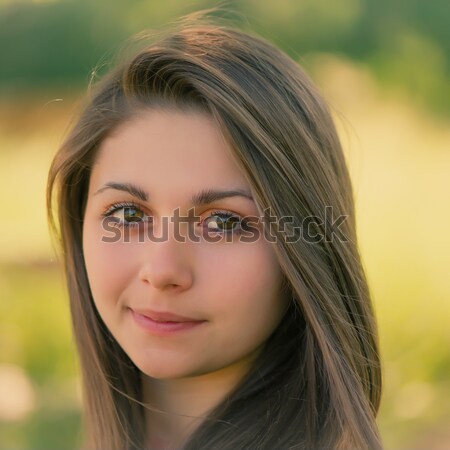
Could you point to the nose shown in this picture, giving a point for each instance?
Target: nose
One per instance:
(166, 264)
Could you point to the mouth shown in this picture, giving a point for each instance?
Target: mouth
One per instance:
(163, 316)
(164, 323)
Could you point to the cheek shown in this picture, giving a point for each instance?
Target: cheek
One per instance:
(107, 265)
(245, 286)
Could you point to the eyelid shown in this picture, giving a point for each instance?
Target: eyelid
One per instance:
(118, 205)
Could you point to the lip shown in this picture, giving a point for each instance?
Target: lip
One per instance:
(163, 323)
(163, 316)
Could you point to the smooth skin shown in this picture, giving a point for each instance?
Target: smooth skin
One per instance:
(232, 286)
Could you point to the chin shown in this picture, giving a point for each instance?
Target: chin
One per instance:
(166, 371)
(162, 371)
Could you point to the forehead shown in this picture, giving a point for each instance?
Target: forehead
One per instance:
(170, 154)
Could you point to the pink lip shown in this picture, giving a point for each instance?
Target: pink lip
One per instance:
(163, 323)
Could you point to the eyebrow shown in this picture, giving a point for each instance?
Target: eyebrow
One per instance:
(204, 197)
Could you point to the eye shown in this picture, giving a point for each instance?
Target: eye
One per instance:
(126, 214)
(220, 221)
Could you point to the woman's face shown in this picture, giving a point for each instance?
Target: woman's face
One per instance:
(177, 308)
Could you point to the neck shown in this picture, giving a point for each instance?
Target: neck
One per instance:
(184, 403)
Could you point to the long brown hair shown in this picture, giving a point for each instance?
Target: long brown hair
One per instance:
(317, 384)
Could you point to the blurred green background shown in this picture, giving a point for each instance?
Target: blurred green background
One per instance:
(383, 65)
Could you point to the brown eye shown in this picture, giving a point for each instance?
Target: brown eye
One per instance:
(131, 214)
(127, 214)
(220, 221)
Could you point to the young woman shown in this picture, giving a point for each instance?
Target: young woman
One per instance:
(207, 223)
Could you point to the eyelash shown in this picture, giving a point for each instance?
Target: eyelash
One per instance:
(115, 207)
(121, 205)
